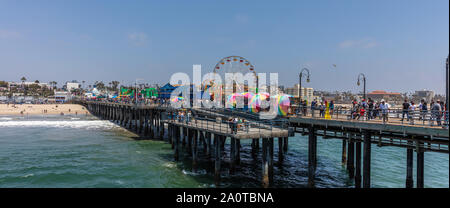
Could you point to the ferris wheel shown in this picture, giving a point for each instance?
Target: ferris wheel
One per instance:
(233, 64)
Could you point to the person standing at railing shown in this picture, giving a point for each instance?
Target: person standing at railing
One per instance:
(331, 107)
(436, 113)
(305, 107)
(412, 109)
(313, 107)
(384, 107)
(322, 110)
(370, 108)
(405, 110)
(423, 109)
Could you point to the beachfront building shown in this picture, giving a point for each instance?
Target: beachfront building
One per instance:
(62, 96)
(12, 85)
(307, 93)
(70, 86)
(426, 95)
(378, 95)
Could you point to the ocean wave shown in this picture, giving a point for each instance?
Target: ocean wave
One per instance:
(5, 119)
(74, 124)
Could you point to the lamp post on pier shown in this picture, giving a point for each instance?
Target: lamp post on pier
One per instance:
(361, 75)
(300, 83)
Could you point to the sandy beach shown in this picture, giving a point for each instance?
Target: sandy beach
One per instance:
(41, 109)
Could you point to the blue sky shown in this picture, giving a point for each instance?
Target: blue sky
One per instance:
(400, 45)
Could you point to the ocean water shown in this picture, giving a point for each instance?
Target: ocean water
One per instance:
(68, 151)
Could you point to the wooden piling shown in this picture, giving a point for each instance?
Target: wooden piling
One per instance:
(351, 157)
(358, 164)
(194, 149)
(265, 163)
(232, 155)
(420, 166)
(311, 152)
(366, 159)
(218, 153)
(344, 152)
(409, 167)
(177, 142)
(280, 150)
(286, 145)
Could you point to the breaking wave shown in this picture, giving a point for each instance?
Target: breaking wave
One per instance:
(74, 124)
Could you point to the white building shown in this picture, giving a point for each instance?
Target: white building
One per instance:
(72, 86)
(62, 97)
(307, 93)
(427, 95)
(19, 84)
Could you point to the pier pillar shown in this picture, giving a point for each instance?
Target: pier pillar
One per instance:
(255, 147)
(358, 164)
(286, 144)
(280, 150)
(344, 152)
(184, 137)
(208, 144)
(351, 157)
(177, 142)
(265, 163)
(238, 152)
(420, 166)
(232, 155)
(146, 124)
(409, 167)
(367, 159)
(311, 157)
(194, 149)
(136, 120)
(218, 153)
(270, 161)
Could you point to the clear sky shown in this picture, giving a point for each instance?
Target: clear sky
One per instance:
(400, 45)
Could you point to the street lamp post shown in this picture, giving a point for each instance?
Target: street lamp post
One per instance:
(364, 84)
(300, 83)
(135, 90)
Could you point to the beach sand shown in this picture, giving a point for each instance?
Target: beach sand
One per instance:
(42, 109)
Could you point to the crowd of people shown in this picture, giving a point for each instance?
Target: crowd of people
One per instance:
(434, 112)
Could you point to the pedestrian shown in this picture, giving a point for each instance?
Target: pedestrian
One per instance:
(436, 112)
(412, 109)
(405, 110)
(384, 107)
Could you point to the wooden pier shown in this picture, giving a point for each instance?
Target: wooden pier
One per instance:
(207, 130)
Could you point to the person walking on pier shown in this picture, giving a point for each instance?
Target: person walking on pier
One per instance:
(435, 113)
(405, 110)
(384, 107)
(370, 108)
(412, 109)
(313, 107)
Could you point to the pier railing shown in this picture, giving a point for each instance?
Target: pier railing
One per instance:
(430, 118)
(219, 122)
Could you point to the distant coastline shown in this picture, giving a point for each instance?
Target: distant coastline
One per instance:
(43, 109)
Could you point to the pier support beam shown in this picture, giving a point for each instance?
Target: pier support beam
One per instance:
(194, 149)
(420, 166)
(177, 142)
(367, 159)
(344, 152)
(280, 150)
(208, 144)
(232, 155)
(311, 157)
(351, 157)
(358, 164)
(409, 167)
(218, 153)
(238, 152)
(267, 162)
(285, 145)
